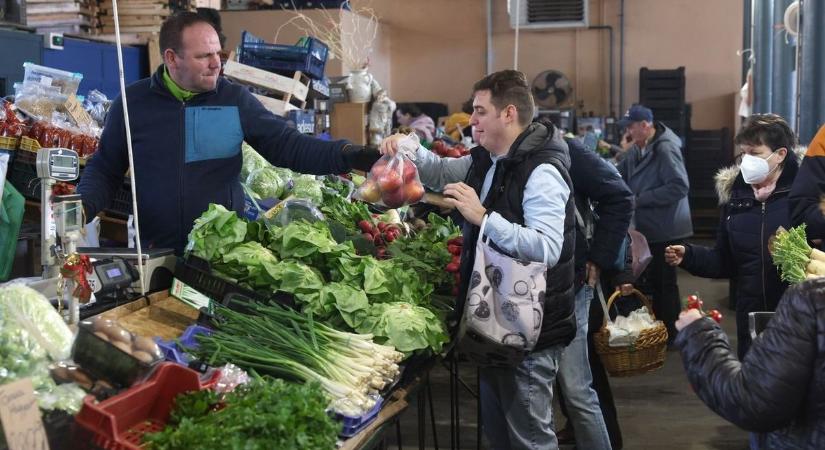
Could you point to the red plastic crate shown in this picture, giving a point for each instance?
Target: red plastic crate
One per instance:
(119, 422)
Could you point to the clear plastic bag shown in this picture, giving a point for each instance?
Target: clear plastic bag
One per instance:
(97, 105)
(291, 210)
(392, 182)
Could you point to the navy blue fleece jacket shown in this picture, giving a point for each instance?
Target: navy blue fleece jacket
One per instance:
(188, 155)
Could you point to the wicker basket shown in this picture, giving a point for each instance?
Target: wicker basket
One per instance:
(645, 355)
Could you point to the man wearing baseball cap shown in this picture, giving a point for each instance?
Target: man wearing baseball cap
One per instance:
(655, 171)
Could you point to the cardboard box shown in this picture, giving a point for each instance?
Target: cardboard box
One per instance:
(349, 121)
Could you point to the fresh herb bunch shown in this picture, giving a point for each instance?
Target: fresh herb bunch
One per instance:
(268, 413)
(426, 251)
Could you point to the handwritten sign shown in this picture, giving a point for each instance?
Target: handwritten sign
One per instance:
(76, 111)
(20, 417)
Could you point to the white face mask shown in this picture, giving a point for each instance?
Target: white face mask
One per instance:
(755, 169)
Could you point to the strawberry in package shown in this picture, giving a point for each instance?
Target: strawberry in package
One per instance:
(392, 182)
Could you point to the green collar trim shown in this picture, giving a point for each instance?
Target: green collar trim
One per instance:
(177, 91)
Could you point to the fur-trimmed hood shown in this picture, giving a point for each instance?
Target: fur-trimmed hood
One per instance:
(726, 177)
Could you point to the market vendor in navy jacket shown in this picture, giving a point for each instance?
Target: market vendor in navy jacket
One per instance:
(187, 126)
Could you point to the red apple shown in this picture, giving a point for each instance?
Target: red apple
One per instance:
(389, 181)
(413, 192)
(379, 167)
(409, 171)
(393, 199)
(369, 191)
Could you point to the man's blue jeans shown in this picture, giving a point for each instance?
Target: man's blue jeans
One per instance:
(576, 383)
(516, 404)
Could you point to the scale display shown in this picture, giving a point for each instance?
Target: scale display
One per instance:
(58, 163)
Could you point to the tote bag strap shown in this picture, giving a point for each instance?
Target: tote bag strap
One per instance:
(486, 241)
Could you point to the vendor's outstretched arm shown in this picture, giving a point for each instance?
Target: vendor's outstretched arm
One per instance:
(286, 147)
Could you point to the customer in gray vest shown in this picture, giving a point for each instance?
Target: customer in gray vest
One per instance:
(655, 171)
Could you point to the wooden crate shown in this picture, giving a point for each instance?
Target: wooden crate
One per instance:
(289, 90)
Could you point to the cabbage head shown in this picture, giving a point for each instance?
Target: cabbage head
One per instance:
(266, 183)
(307, 187)
(252, 160)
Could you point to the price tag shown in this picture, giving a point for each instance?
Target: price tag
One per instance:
(75, 109)
(20, 417)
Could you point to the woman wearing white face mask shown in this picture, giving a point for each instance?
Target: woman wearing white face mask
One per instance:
(753, 197)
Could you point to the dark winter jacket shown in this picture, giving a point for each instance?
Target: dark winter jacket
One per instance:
(188, 155)
(596, 182)
(660, 182)
(778, 389)
(807, 193)
(535, 146)
(741, 251)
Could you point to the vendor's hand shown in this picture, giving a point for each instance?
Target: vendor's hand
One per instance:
(674, 254)
(593, 273)
(465, 199)
(687, 317)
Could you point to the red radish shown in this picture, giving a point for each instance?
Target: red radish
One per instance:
(382, 253)
(368, 237)
(389, 181)
(365, 226)
(452, 267)
(413, 192)
(454, 249)
(382, 226)
(409, 171)
(458, 240)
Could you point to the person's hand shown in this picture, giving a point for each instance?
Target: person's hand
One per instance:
(626, 141)
(687, 317)
(593, 273)
(391, 144)
(465, 199)
(674, 254)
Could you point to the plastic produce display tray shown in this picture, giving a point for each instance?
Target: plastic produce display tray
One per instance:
(353, 425)
(106, 361)
(119, 422)
(310, 57)
(197, 273)
(174, 350)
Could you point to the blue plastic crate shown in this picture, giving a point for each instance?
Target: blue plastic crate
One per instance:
(308, 56)
(303, 120)
(173, 349)
(353, 425)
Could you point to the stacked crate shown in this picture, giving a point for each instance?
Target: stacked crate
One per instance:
(72, 16)
(663, 91)
(139, 19)
(706, 152)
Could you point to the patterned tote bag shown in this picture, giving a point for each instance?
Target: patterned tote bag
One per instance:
(504, 308)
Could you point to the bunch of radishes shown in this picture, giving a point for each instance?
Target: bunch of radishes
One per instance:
(393, 181)
(380, 234)
(694, 302)
(454, 246)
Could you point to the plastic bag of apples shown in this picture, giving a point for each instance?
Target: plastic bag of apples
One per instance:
(392, 182)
